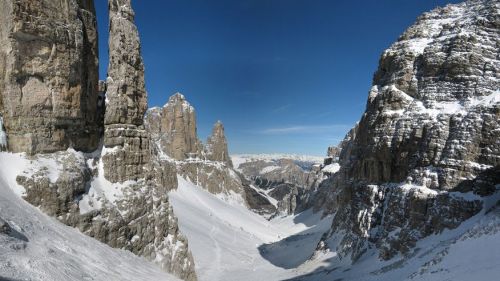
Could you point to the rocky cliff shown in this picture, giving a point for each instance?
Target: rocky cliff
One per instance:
(288, 180)
(52, 107)
(48, 75)
(174, 137)
(427, 145)
(216, 148)
(126, 98)
(173, 127)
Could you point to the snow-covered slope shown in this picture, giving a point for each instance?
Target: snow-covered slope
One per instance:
(229, 242)
(469, 252)
(40, 248)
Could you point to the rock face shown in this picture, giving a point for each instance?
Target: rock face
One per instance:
(290, 182)
(215, 177)
(431, 126)
(49, 75)
(174, 128)
(333, 151)
(70, 186)
(51, 99)
(217, 145)
(126, 98)
(126, 91)
(174, 138)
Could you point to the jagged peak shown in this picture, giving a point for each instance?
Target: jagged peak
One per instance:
(217, 131)
(219, 125)
(179, 98)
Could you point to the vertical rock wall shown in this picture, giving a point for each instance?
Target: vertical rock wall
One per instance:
(217, 145)
(173, 132)
(431, 126)
(179, 139)
(126, 99)
(49, 75)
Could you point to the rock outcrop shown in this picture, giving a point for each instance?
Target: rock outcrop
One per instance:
(432, 122)
(126, 99)
(216, 148)
(174, 128)
(291, 182)
(134, 216)
(174, 138)
(51, 100)
(215, 177)
(49, 75)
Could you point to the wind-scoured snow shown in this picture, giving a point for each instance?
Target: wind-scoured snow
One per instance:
(332, 168)
(229, 242)
(41, 248)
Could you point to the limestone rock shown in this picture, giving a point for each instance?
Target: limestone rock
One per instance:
(257, 200)
(128, 152)
(49, 75)
(174, 128)
(138, 217)
(125, 137)
(173, 137)
(292, 182)
(432, 123)
(217, 145)
(126, 91)
(213, 176)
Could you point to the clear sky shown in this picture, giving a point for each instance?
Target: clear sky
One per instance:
(286, 76)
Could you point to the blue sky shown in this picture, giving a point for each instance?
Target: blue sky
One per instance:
(287, 76)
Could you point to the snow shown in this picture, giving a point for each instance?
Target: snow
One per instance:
(418, 45)
(332, 168)
(469, 252)
(434, 109)
(229, 242)
(101, 190)
(269, 169)
(11, 165)
(42, 248)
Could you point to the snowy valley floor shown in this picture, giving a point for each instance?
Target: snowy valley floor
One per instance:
(229, 242)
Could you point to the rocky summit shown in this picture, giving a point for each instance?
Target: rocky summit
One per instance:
(431, 126)
(174, 136)
(174, 128)
(216, 148)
